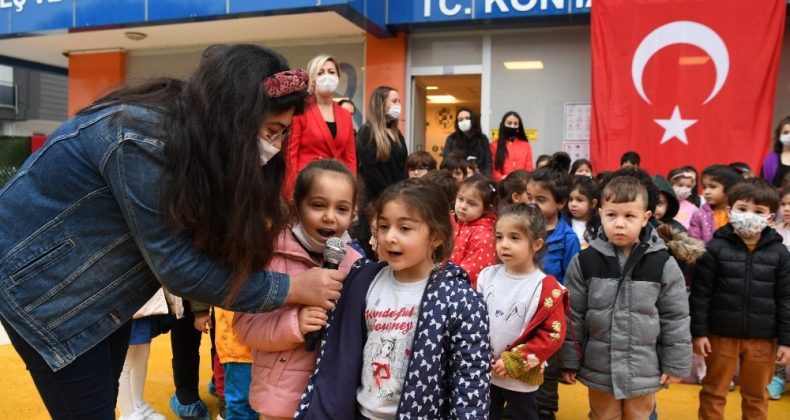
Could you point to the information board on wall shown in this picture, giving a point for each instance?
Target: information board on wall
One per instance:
(577, 121)
(577, 149)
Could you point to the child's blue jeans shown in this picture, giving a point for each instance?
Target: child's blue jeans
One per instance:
(237, 391)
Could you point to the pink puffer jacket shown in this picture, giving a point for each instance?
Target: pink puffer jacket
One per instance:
(281, 366)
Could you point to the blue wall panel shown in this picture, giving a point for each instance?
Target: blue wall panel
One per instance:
(33, 16)
(108, 13)
(179, 9)
(248, 6)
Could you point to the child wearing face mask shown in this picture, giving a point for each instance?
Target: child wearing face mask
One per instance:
(683, 182)
(324, 198)
(739, 309)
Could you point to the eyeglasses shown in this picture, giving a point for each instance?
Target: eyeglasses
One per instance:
(419, 169)
(274, 138)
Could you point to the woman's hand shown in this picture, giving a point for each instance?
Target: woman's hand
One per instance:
(316, 287)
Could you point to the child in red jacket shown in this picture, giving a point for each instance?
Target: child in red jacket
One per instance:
(475, 208)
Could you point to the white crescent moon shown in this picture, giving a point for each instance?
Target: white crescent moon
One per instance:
(682, 32)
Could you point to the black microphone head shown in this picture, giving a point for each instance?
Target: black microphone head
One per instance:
(335, 250)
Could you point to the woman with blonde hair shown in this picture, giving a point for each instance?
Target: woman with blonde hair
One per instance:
(381, 149)
(324, 130)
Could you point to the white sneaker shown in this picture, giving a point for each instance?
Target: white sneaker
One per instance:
(148, 413)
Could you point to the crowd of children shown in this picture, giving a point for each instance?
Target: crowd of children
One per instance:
(480, 296)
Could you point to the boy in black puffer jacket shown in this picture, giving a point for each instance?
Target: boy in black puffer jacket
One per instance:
(740, 303)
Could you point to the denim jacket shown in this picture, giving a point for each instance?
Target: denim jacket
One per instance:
(84, 243)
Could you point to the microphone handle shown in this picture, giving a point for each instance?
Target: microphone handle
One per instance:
(312, 339)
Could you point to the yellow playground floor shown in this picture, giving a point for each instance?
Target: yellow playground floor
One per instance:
(19, 400)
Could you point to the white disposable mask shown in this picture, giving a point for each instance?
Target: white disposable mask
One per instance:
(394, 112)
(308, 242)
(748, 224)
(682, 193)
(465, 125)
(266, 150)
(326, 83)
(785, 139)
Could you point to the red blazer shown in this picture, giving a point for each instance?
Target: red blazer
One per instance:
(310, 140)
(545, 332)
(519, 156)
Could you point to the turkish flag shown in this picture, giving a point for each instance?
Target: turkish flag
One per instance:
(684, 82)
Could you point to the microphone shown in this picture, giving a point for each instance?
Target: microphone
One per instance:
(334, 252)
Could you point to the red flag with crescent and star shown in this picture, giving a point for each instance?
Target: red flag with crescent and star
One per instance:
(684, 82)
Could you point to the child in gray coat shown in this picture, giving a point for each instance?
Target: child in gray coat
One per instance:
(629, 311)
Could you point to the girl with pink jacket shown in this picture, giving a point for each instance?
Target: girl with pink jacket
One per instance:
(324, 197)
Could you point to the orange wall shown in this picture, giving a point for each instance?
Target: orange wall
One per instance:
(385, 64)
(91, 75)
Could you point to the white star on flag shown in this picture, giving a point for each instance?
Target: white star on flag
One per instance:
(675, 127)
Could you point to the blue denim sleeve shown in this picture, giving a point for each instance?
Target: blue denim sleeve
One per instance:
(134, 169)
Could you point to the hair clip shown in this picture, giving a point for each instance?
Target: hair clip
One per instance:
(285, 83)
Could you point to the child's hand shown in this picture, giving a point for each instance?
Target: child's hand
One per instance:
(783, 355)
(311, 318)
(701, 346)
(202, 323)
(569, 376)
(667, 379)
(499, 368)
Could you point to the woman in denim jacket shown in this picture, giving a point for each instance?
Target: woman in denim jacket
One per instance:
(169, 183)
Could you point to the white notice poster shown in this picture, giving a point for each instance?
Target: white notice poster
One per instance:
(577, 121)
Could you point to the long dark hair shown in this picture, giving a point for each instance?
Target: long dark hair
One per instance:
(778, 146)
(501, 144)
(470, 142)
(217, 189)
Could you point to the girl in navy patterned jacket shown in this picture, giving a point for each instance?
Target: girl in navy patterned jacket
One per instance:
(408, 338)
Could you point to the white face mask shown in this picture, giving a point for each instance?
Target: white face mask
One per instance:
(682, 193)
(308, 242)
(465, 125)
(785, 139)
(266, 150)
(748, 224)
(326, 83)
(394, 112)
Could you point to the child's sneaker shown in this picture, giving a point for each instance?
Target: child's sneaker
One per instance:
(776, 388)
(195, 411)
(149, 413)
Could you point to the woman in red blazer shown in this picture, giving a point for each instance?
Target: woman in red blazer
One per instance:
(324, 130)
(512, 150)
